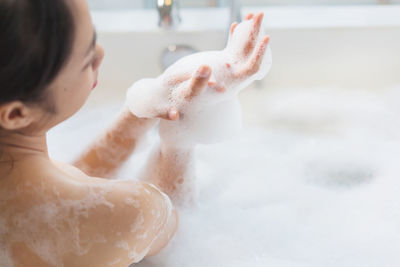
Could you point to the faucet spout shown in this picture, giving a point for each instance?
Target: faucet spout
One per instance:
(168, 13)
(235, 12)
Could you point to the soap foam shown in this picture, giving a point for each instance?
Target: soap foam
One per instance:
(212, 116)
(268, 197)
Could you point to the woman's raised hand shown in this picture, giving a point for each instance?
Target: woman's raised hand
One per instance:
(246, 48)
(174, 92)
(183, 94)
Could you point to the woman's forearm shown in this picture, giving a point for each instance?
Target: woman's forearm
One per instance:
(171, 169)
(111, 149)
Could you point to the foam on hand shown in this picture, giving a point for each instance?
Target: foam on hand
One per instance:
(211, 116)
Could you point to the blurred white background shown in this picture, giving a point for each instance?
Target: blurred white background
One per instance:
(118, 4)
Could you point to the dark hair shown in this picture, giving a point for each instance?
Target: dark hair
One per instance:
(36, 39)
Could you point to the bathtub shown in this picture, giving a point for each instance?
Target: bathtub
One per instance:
(347, 47)
(353, 47)
(312, 180)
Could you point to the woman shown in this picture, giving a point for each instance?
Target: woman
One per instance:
(55, 214)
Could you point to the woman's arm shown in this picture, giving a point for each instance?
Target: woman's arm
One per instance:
(112, 148)
(171, 169)
(129, 221)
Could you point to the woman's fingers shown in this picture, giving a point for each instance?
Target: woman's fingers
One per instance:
(172, 114)
(250, 43)
(249, 16)
(253, 64)
(232, 29)
(198, 82)
(177, 79)
(217, 87)
(257, 23)
(256, 59)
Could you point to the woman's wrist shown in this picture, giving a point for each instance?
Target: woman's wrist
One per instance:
(134, 125)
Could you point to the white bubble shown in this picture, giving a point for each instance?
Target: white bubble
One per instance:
(212, 116)
(269, 195)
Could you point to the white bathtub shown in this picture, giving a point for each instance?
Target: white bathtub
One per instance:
(352, 47)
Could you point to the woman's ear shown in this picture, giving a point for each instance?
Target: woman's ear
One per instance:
(15, 115)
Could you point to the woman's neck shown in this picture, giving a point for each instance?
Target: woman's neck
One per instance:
(19, 146)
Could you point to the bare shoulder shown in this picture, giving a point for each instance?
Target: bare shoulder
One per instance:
(84, 221)
(125, 220)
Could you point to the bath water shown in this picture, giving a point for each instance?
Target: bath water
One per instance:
(312, 180)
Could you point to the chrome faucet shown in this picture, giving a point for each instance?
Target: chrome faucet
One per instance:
(235, 14)
(169, 18)
(169, 13)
